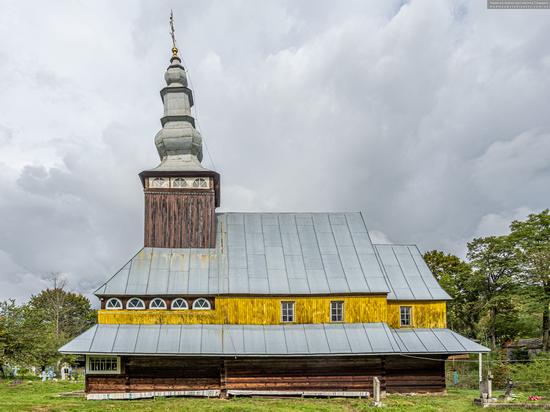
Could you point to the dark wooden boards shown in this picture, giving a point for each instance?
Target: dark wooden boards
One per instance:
(148, 374)
(315, 374)
(180, 218)
(405, 374)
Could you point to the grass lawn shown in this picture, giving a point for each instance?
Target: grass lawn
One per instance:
(45, 396)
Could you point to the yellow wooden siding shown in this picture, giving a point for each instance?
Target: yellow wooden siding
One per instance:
(256, 311)
(267, 311)
(425, 314)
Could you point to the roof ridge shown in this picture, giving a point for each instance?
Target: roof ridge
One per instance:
(118, 271)
(395, 244)
(289, 212)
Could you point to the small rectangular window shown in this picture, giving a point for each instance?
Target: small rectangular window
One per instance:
(103, 364)
(405, 315)
(287, 311)
(337, 311)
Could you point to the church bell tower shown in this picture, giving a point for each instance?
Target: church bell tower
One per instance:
(180, 194)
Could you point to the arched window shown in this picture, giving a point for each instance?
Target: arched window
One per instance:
(201, 303)
(179, 182)
(157, 303)
(200, 182)
(179, 304)
(160, 182)
(113, 303)
(135, 303)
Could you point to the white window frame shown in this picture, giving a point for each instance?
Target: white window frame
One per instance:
(92, 372)
(292, 306)
(121, 306)
(141, 300)
(410, 314)
(189, 182)
(195, 303)
(199, 180)
(165, 182)
(332, 312)
(181, 308)
(157, 308)
(179, 179)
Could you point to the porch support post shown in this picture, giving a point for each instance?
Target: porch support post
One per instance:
(480, 367)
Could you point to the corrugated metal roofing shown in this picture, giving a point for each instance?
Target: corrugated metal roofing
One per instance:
(269, 340)
(280, 254)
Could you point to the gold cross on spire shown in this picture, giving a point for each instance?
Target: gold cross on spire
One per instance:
(173, 35)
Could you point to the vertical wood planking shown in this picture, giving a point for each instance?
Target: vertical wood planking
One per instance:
(425, 314)
(256, 311)
(180, 219)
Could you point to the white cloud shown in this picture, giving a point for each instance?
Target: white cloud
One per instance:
(430, 115)
(494, 224)
(379, 237)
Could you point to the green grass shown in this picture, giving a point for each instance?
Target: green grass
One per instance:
(35, 395)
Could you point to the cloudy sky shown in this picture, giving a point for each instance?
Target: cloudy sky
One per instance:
(432, 117)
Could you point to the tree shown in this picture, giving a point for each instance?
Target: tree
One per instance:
(66, 314)
(11, 342)
(494, 265)
(531, 240)
(56, 316)
(455, 276)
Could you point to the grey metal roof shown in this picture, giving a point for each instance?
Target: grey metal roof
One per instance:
(280, 253)
(269, 340)
(407, 274)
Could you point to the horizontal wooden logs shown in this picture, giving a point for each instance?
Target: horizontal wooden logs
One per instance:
(408, 374)
(271, 375)
(313, 374)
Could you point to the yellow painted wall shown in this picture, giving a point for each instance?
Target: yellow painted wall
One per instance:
(256, 311)
(425, 314)
(267, 311)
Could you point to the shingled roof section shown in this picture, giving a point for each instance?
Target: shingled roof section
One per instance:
(278, 254)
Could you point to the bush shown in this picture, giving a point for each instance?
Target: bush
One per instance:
(532, 375)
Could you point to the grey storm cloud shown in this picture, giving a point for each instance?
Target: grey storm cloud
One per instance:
(429, 116)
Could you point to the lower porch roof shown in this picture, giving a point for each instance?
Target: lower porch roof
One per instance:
(268, 340)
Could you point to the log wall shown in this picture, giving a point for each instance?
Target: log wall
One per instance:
(405, 375)
(180, 218)
(318, 374)
(148, 374)
(314, 374)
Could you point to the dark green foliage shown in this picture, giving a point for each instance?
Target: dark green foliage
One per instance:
(494, 265)
(531, 239)
(12, 338)
(503, 291)
(31, 334)
(534, 374)
(455, 276)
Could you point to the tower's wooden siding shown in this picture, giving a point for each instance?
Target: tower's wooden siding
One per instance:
(180, 218)
(319, 374)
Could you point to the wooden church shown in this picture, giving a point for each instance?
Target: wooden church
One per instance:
(222, 304)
